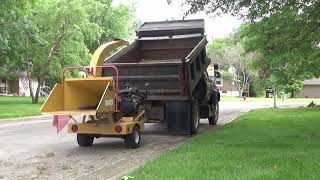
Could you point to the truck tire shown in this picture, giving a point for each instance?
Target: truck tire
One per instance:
(132, 140)
(84, 139)
(195, 118)
(214, 119)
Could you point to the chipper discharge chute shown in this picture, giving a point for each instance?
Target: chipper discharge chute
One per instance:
(104, 111)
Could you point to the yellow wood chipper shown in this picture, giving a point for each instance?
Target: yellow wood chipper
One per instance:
(105, 111)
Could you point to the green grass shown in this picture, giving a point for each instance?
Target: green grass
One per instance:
(11, 107)
(261, 99)
(263, 144)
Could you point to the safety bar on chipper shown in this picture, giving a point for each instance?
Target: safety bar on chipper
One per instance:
(91, 68)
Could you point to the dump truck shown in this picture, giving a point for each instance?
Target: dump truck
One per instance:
(160, 77)
(168, 62)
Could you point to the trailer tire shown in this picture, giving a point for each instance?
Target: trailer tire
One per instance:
(132, 140)
(195, 118)
(84, 139)
(214, 119)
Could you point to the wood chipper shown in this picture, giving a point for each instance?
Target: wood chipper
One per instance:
(105, 111)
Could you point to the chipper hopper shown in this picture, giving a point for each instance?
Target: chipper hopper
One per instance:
(87, 96)
(97, 100)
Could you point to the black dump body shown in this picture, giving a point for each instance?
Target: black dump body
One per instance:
(170, 57)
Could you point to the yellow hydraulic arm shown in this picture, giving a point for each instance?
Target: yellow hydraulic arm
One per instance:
(103, 52)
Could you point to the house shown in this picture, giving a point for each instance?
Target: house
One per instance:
(225, 86)
(311, 89)
(16, 87)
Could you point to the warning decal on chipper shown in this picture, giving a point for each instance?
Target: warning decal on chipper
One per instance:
(108, 102)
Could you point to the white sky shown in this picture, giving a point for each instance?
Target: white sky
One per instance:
(159, 10)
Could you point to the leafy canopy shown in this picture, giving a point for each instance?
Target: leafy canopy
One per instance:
(43, 36)
(288, 53)
(285, 33)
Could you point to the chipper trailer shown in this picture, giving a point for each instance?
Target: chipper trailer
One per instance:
(160, 77)
(105, 111)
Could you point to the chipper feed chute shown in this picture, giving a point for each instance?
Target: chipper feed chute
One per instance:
(87, 96)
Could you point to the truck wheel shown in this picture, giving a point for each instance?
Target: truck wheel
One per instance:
(195, 119)
(214, 119)
(84, 139)
(132, 141)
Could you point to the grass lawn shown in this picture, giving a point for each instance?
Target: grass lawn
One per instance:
(11, 107)
(279, 100)
(263, 144)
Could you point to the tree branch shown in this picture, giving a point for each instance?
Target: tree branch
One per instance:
(55, 46)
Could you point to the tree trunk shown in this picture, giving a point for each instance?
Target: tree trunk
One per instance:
(36, 96)
(240, 92)
(274, 98)
(31, 91)
(30, 87)
(5, 87)
(292, 93)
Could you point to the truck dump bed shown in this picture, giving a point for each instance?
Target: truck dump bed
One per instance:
(169, 56)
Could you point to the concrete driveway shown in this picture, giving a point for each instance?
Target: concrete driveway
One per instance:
(31, 149)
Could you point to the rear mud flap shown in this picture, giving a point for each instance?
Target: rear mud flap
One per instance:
(178, 116)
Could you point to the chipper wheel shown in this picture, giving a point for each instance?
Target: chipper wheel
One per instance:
(84, 139)
(133, 140)
(214, 119)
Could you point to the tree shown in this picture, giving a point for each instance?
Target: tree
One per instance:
(57, 33)
(285, 34)
(307, 15)
(285, 51)
(290, 18)
(11, 14)
(117, 22)
(253, 10)
(230, 54)
(53, 38)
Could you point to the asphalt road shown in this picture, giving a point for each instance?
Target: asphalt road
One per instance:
(31, 149)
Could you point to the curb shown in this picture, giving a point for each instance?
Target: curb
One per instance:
(40, 117)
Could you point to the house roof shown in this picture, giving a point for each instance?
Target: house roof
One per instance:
(314, 81)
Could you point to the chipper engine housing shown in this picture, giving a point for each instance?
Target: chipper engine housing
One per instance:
(130, 103)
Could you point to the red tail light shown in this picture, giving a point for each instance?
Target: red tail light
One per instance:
(118, 129)
(74, 128)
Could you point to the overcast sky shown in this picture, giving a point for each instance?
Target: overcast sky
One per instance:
(159, 10)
